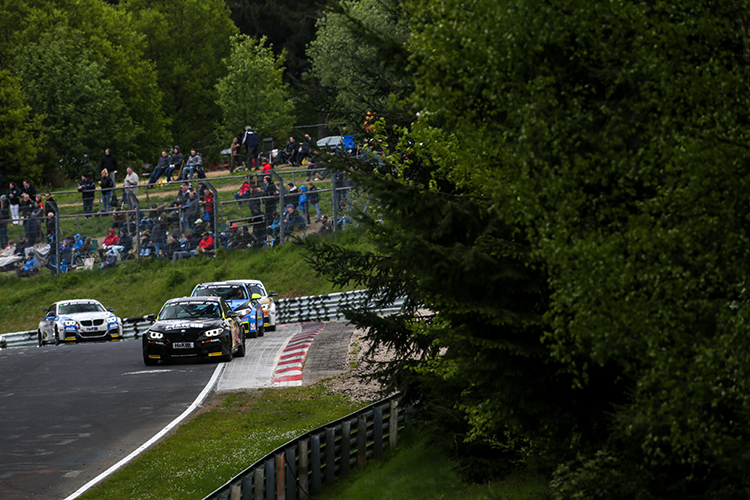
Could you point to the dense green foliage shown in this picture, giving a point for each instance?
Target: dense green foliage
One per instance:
(253, 91)
(359, 57)
(17, 144)
(571, 207)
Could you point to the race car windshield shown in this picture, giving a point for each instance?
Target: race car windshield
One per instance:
(191, 310)
(225, 292)
(87, 307)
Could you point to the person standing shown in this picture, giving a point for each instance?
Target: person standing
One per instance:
(235, 162)
(50, 204)
(14, 200)
(131, 189)
(251, 142)
(313, 198)
(108, 186)
(108, 161)
(87, 189)
(29, 189)
(4, 218)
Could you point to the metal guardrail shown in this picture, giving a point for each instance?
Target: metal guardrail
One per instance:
(300, 467)
(313, 308)
(324, 307)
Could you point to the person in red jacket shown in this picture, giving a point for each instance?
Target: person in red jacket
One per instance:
(208, 200)
(109, 241)
(206, 244)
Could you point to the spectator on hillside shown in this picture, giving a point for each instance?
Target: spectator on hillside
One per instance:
(109, 241)
(235, 150)
(292, 194)
(50, 204)
(313, 198)
(243, 193)
(29, 189)
(26, 206)
(51, 226)
(289, 154)
(190, 211)
(269, 193)
(292, 220)
(303, 205)
(325, 226)
(87, 189)
(131, 189)
(304, 150)
(208, 206)
(14, 200)
(206, 245)
(161, 167)
(108, 187)
(4, 219)
(193, 163)
(108, 162)
(29, 268)
(126, 241)
(175, 163)
(251, 142)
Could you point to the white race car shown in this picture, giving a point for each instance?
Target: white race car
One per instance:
(266, 301)
(76, 320)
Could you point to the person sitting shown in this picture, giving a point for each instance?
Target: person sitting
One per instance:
(292, 220)
(127, 243)
(175, 163)
(109, 241)
(147, 247)
(161, 167)
(243, 193)
(206, 245)
(289, 154)
(325, 226)
(193, 163)
(29, 268)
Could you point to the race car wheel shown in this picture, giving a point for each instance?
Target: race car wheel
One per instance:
(241, 350)
(272, 328)
(261, 331)
(57, 337)
(229, 356)
(149, 361)
(39, 335)
(254, 334)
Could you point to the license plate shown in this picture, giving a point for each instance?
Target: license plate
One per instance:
(182, 345)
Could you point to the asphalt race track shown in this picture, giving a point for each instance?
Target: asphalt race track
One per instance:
(70, 412)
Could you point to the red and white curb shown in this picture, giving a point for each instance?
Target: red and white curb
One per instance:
(288, 370)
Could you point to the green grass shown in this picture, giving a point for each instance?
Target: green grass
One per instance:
(418, 471)
(215, 445)
(136, 288)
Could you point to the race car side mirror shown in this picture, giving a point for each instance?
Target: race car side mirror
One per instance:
(272, 294)
(150, 317)
(111, 309)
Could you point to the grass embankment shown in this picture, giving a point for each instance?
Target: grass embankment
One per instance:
(135, 288)
(221, 441)
(418, 471)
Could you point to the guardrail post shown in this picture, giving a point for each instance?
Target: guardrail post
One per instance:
(393, 424)
(330, 455)
(235, 492)
(270, 476)
(291, 474)
(304, 471)
(361, 441)
(280, 489)
(315, 464)
(377, 434)
(259, 493)
(247, 487)
(346, 442)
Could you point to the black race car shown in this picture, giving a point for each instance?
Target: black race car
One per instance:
(193, 327)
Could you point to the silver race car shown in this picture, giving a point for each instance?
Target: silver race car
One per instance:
(77, 320)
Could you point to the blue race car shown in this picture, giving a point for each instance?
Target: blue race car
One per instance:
(240, 300)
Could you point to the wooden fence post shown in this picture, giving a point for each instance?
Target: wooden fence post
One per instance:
(377, 432)
(304, 471)
(316, 485)
(393, 424)
(330, 455)
(362, 441)
(346, 441)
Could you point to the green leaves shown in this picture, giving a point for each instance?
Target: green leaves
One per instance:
(253, 91)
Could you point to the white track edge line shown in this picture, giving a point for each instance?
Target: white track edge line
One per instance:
(201, 397)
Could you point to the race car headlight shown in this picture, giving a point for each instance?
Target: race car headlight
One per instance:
(213, 333)
(69, 323)
(111, 320)
(155, 335)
